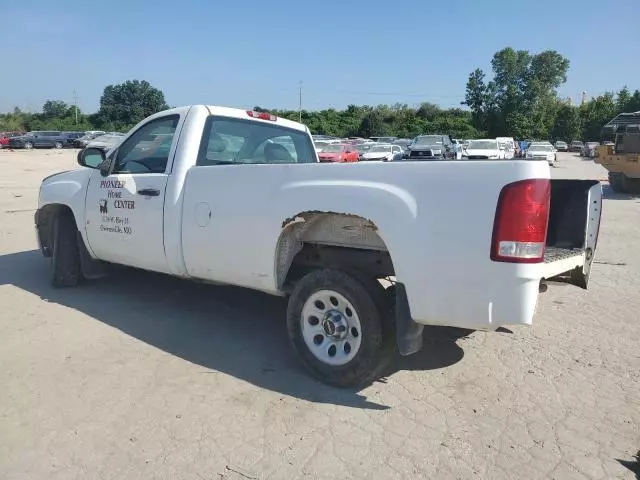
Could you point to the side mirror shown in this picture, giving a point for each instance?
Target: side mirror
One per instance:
(91, 157)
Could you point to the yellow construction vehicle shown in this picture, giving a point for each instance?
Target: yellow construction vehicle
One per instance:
(622, 158)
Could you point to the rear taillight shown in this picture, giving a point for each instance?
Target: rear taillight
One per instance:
(262, 115)
(520, 224)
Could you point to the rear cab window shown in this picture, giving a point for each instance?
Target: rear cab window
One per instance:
(228, 141)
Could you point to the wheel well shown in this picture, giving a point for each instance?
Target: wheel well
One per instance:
(328, 239)
(44, 224)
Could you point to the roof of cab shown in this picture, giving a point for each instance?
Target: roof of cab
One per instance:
(242, 114)
(232, 113)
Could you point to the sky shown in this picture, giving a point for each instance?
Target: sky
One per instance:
(244, 53)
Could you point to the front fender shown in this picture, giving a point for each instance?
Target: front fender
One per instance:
(68, 189)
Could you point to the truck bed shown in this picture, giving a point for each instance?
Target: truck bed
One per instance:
(568, 234)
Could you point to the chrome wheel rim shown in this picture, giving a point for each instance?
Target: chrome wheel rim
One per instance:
(331, 327)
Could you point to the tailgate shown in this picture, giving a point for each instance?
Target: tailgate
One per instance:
(572, 236)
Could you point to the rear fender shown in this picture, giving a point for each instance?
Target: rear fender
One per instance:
(379, 216)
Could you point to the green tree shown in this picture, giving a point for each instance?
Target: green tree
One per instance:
(54, 109)
(371, 124)
(595, 114)
(567, 124)
(521, 99)
(476, 98)
(124, 105)
(623, 99)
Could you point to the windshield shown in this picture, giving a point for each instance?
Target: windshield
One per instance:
(541, 148)
(381, 148)
(482, 145)
(363, 147)
(332, 148)
(429, 140)
(561, 143)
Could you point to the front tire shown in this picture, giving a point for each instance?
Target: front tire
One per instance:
(28, 145)
(340, 327)
(57, 145)
(65, 258)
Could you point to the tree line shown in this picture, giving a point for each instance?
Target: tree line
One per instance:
(520, 100)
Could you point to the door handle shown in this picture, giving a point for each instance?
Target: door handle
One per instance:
(149, 192)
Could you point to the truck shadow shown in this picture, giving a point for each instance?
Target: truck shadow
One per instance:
(232, 330)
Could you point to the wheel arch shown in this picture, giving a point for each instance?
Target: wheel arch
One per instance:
(330, 230)
(44, 219)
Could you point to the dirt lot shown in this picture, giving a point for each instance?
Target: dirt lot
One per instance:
(141, 376)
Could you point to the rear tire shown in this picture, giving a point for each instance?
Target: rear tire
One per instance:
(65, 258)
(326, 304)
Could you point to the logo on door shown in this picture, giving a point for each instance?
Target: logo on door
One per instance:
(103, 206)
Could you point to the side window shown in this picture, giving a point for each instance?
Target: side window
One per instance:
(147, 150)
(238, 141)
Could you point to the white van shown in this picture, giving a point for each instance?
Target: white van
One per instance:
(507, 147)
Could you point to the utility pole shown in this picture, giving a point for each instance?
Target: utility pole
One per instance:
(75, 104)
(300, 102)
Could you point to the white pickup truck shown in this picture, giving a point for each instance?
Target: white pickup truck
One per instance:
(238, 197)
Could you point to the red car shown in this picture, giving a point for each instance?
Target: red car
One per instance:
(339, 152)
(5, 136)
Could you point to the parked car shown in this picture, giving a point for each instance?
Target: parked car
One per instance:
(430, 147)
(321, 236)
(320, 144)
(6, 136)
(339, 152)
(507, 147)
(42, 139)
(364, 148)
(541, 151)
(483, 149)
(576, 146)
(457, 147)
(71, 137)
(106, 142)
(403, 143)
(385, 153)
(561, 146)
(589, 149)
(82, 141)
(384, 140)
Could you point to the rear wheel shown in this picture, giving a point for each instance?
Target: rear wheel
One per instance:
(65, 258)
(339, 325)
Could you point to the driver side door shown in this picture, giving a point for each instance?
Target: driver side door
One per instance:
(124, 210)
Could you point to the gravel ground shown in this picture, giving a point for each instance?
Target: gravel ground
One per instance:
(142, 376)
